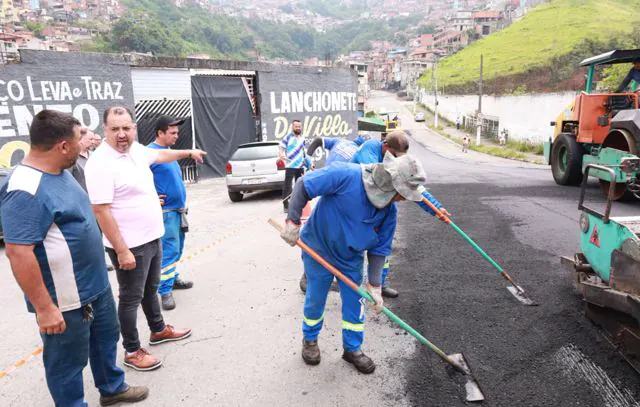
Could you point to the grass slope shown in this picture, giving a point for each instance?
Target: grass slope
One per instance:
(547, 32)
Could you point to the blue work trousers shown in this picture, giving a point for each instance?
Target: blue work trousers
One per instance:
(93, 338)
(172, 246)
(318, 284)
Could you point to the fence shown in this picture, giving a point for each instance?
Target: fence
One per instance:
(490, 125)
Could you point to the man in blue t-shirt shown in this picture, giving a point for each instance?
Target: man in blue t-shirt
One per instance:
(55, 249)
(167, 178)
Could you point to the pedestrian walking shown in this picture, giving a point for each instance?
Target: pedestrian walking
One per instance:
(293, 154)
(465, 144)
(55, 250)
(354, 214)
(124, 198)
(167, 178)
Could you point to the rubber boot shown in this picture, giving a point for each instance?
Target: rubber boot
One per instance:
(310, 352)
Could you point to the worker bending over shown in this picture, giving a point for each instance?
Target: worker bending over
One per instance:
(339, 149)
(355, 213)
(373, 151)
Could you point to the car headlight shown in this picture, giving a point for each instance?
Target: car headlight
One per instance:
(584, 223)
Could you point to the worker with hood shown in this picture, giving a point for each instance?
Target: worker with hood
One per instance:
(373, 151)
(355, 214)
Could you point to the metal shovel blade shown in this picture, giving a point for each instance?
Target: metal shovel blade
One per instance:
(520, 296)
(472, 389)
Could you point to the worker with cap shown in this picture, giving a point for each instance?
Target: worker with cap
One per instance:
(339, 149)
(172, 193)
(633, 75)
(373, 151)
(355, 213)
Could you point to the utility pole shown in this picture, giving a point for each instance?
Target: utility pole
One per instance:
(434, 77)
(480, 91)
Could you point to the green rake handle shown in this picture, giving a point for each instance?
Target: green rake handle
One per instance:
(363, 293)
(473, 244)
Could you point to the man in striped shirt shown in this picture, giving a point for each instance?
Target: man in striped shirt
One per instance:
(293, 154)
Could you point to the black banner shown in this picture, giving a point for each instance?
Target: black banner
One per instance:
(324, 101)
(77, 85)
(223, 119)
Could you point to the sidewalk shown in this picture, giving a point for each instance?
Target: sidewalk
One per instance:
(489, 146)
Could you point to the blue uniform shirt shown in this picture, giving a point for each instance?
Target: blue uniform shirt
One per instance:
(53, 213)
(168, 180)
(344, 223)
(340, 150)
(369, 153)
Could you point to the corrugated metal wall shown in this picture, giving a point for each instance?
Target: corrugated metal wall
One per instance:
(158, 83)
(157, 92)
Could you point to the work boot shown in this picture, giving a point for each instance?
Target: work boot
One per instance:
(168, 303)
(141, 360)
(389, 292)
(132, 395)
(310, 352)
(181, 284)
(303, 282)
(169, 334)
(362, 362)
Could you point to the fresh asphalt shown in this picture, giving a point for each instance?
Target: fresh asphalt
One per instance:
(548, 355)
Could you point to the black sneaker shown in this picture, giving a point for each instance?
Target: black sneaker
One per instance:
(168, 303)
(362, 362)
(180, 284)
(389, 292)
(310, 352)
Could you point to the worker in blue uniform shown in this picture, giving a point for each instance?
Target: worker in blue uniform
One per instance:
(373, 151)
(355, 213)
(338, 149)
(173, 198)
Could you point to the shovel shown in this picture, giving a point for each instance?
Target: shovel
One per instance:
(514, 289)
(457, 360)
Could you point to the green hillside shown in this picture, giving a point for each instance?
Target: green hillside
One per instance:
(159, 27)
(551, 40)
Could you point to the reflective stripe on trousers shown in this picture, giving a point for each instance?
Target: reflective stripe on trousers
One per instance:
(318, 285)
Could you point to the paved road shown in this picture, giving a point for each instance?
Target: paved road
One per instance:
(246, 308)
(548, 355)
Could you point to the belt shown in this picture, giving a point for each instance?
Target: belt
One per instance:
(179, 210)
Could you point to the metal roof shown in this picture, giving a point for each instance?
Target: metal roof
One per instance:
(221, 72)
(613, 57)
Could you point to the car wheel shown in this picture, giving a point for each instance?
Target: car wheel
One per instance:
(235, 196)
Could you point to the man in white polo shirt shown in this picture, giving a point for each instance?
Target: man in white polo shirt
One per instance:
(121, 189)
